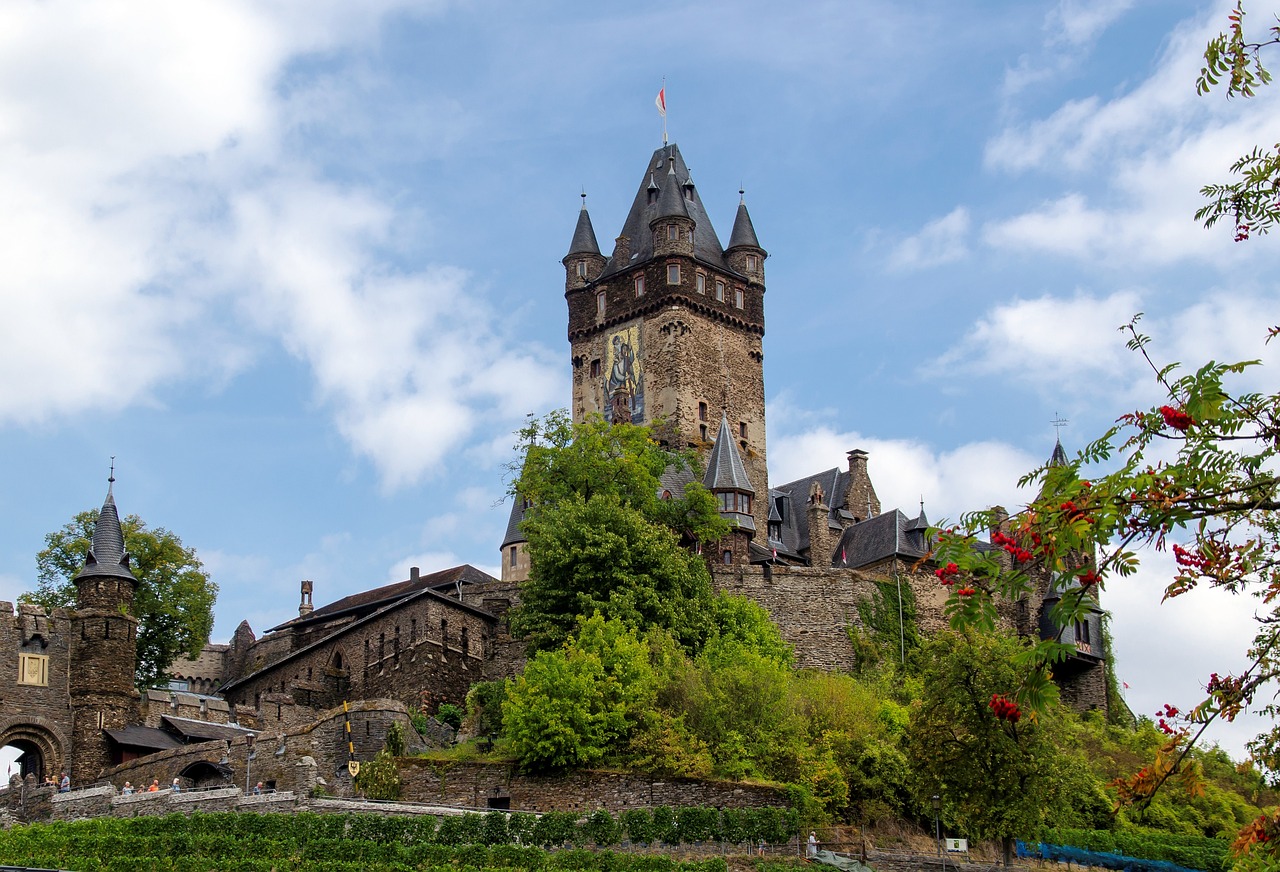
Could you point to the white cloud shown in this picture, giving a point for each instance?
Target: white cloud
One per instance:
(1071, 347)
(427, 563)
(1166, 650)
(1077, 22)
(159, 230)
(942, 241)
(971, 477)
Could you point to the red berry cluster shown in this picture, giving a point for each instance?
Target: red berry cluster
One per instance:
(1008, 543)
(1242, 231)
(1169, 712)
(1075, 512)
(966, 591)
(1189, 559)
(1004, 708)
(947, 574)
(1176, 418)
(1089, 578)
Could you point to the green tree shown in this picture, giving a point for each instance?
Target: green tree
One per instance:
(573, 706)
(174, 600)
(999, 774)
(600, 554)
(604, 536)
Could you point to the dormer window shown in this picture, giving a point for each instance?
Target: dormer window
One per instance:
(732, 501)
(753, 263)
(639, 286)
(719, 292)
(673, 232)
(700, 282)
(600, 304)
(673, 273)
(582, 269)
(737, 298)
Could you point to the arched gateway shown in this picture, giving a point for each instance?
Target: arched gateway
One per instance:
(42, 745)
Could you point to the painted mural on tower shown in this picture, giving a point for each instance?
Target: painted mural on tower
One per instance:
(624, 381)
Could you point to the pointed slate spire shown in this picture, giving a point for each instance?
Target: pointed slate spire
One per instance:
(725, 470)
(920, 523)
(107, 556)
(744, 233)
(1059, 456)
(671, 202)
(584, 235)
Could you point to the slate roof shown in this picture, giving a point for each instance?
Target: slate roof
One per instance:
(107, 556)
(791, 500)
(889, 534)
(513, 535)
(744, 234)
(203, 731)
(584, 235)
(658, 173)
(149, 738)
(1059, 456)
(410, 593)
(725, 470)
(368, 601)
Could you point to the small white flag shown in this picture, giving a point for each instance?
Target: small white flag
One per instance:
(661, 102)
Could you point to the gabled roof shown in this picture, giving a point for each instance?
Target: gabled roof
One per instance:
(667, 168)
(887, 535)
(365, 602)
(107, 556)
(386, 605)
(203, 731)
(147, 738)
(794, 497)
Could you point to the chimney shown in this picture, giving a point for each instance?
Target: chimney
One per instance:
(861, 496)
(621, 252)
(413, 575)
(305, 606)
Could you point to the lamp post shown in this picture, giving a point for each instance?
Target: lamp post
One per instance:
(248, 762)
(937, 826)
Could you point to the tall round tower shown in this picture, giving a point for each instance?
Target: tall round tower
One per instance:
(103, 652)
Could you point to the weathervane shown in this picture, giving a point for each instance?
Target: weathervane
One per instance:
(1058, 423)
(111, 477)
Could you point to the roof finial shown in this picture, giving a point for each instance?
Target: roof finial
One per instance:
(584, 198)
(111, 476)
(1058, 423)
(922, 504)
(742, 194)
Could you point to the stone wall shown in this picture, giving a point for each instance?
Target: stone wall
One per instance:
(473, 785)
(424, 651)
(36, 716)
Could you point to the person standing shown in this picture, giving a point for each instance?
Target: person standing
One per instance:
(65, 785)
(813, 845)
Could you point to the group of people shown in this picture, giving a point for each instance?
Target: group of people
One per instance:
(63, 784)
(128, 789)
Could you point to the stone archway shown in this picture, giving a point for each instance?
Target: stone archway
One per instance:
(203, 774)
(42, 746)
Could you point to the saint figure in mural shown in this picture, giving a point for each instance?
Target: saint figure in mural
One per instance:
(624, 390)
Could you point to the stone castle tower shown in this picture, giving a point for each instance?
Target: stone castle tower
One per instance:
(101, 674)
(667, 330)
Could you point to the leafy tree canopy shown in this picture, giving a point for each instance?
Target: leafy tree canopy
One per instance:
(174, 600)
(604, 536)
(999, 774)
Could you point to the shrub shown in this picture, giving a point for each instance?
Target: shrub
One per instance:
(601, 828)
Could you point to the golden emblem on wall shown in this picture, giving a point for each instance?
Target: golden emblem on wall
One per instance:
(353, 766)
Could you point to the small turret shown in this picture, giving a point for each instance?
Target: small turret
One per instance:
(105, 581)
(726, 478)
(672, 225)
(584, 261)
(744, 253)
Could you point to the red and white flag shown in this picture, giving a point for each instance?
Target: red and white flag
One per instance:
(661, 102)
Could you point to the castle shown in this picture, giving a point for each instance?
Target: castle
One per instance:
(667, 329)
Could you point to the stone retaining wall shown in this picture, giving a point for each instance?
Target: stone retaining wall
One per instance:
(477, 785)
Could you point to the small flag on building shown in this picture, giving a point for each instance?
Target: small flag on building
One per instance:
(661, 101)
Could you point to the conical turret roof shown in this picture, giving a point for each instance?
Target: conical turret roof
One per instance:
(107, 556)
(725, 470)
(1059, 456)
(744, 234)
(584, 235)
(671, 201)
(706, 245)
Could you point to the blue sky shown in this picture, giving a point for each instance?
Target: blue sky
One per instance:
(296, 265)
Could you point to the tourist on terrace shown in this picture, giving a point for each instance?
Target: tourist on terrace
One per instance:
(128, 789)
(65, 785)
